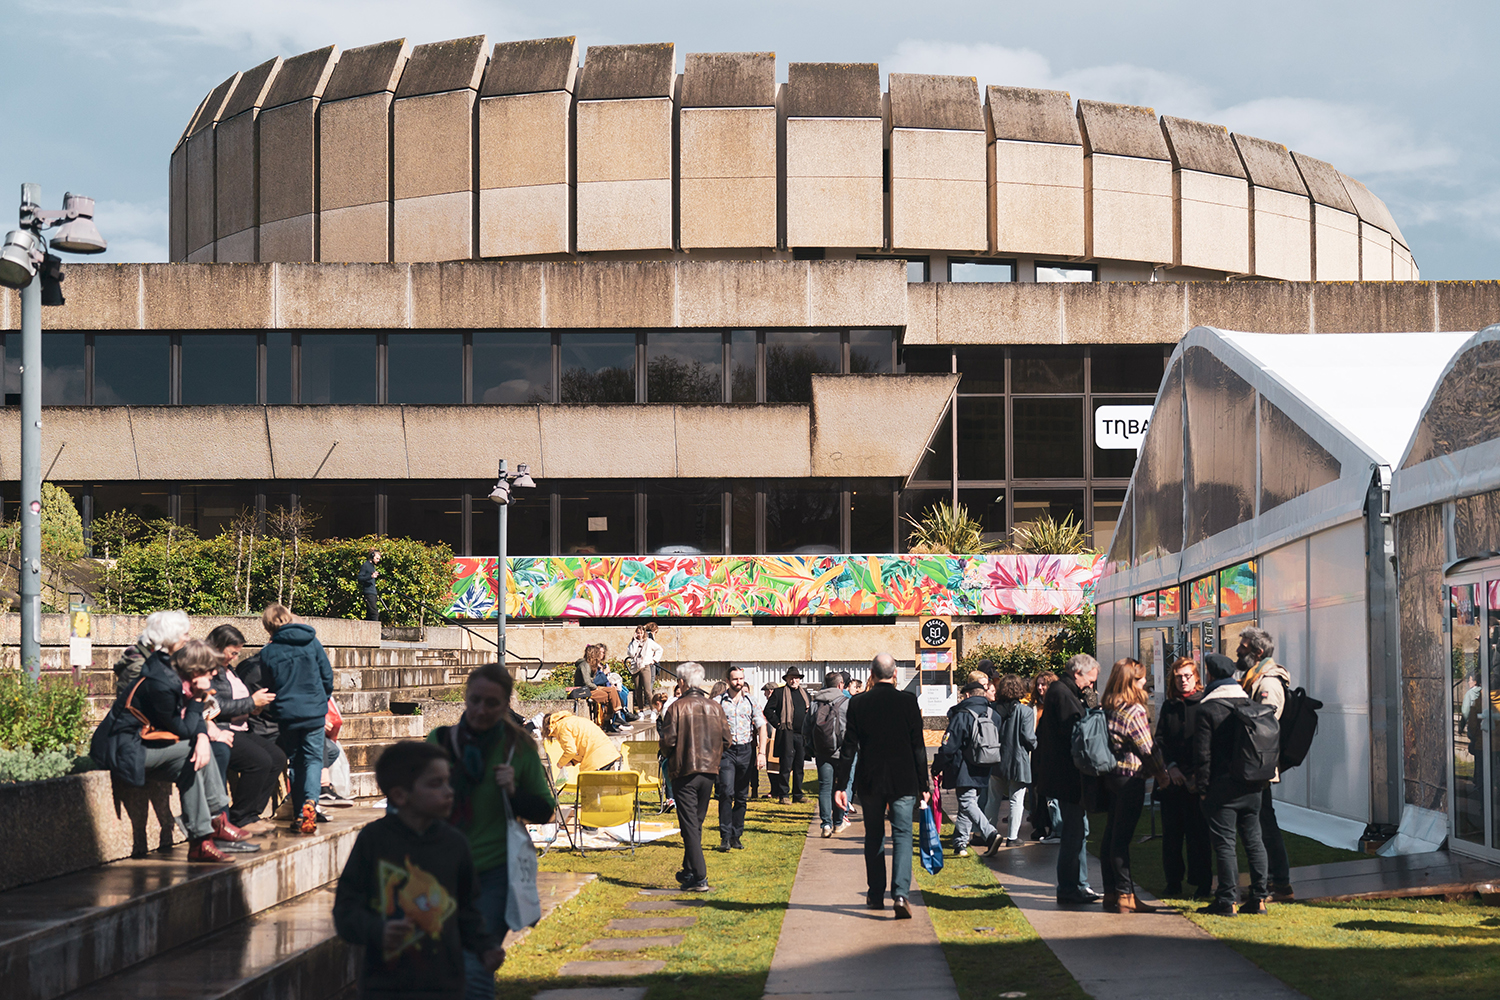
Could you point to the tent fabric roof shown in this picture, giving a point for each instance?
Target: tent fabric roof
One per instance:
(1454, 448)
(1358, 396)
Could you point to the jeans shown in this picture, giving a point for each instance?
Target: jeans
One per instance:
(734, 791)
(304, 758)
(494, 889)
(692, 793)
(828, 811)
(202, 791)
(874, 805)
(257, 762)
(1072, 853)
(1225, 815)
(792, 759)
(1127, 795)
(1278, 868)
(969, 816)
(1182, 821)
(1004, 790)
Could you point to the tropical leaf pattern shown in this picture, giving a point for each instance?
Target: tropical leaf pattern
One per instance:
(780, 586)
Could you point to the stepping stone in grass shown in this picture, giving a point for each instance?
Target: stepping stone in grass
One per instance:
(663, 904)
(632, 968)
(649, 923)
(634, 943)
(663, 892)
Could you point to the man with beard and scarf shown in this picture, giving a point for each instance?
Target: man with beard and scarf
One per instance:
(492, 760)
(1057, 777)
(1267, 682)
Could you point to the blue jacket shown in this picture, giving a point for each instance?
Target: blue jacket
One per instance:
(949, 761)
(295, 668)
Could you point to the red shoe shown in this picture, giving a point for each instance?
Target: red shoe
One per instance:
(205, 851)
(309, 821)
(225, 830)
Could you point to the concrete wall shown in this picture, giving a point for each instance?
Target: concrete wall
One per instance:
(832, 123)
(354, 153)
(1280, 211)
(287, 163)
(1127, 183)
(1210, 198)
(1035, 172)
(939, 173)
(1336, 241)
(727, 122)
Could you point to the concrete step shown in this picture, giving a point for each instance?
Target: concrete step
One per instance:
(289, 950)
(355, 702)
(363, 754)
(385, 678)
(66, 933)
(364, 785)
(440, 692)
(382, 727)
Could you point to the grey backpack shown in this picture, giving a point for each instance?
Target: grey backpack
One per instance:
(982, 749)
(1091, 753)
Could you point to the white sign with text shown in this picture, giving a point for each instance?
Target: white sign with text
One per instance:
(1121, 427)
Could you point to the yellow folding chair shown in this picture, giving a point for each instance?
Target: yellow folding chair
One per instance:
(643, 757)
(607, 798)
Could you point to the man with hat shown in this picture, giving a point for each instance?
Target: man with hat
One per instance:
(786, 710)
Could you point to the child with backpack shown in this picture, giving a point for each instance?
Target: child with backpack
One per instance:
(971, 747)
(823, 733)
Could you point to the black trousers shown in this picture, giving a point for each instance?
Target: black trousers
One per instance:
(1127, 795)
(1183, 823)
(734, 790)
(256, 763)
(692, 793)
(792, 760)
(1226, 815)
(372, 606)
(1278, 867)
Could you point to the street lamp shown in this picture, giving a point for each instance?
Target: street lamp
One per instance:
(22, 256)
(502, 497)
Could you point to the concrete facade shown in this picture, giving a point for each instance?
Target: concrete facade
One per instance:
(1280, 211)
(938, 167)
(727, 122)
(1210, 198)
(834, 152)
(1035, 172)
(1336, 240)
(1127, 183)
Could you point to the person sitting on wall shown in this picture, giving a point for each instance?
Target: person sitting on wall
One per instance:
(585, 670)
(254, 763)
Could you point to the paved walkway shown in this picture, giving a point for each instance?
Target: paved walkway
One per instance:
(831, 945)
(1116, 956)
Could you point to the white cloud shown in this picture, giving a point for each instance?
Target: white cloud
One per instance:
(136, 231)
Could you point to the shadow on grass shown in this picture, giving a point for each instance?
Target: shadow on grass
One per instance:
(1431, 930)
(659, 986)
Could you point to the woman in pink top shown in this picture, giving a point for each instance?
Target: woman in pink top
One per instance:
(1125, 786)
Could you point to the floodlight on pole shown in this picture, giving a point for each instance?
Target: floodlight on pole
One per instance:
(19, 258)
(501, 495)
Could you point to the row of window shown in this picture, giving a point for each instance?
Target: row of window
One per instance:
(434, 367)
(988, 269)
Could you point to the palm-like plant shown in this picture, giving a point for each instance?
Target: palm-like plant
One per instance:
(1045, 536)
(948, 528)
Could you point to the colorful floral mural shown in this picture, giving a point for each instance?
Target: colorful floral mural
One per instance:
(781, 586)
(1237, 590)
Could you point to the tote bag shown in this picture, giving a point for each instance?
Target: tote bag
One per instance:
(932, 843)
(523, 907)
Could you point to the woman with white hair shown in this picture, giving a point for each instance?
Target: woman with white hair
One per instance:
(165, 632)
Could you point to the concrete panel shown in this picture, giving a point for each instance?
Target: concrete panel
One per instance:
(288, 163)
(1211, 221)
(1374, 253)
(1036, 197)
(289, 239)
(201, 210)
(1128, 208)
(1267, 307)
(609, 294)
(1202, 147)
(1269, 165)
(302, 77)
(531, 67)
(203, 255)
(100, 297)
(1280, 234)
(624, 174)
(1335, 244)
(1401, 263)
(524, 140)
(236, 248)
(780, 436)
(440, 440)
(1121, 130)
(833, 90)
(354, 151)
(1349, 307)
(834, 177)
(251, 90)
(919, 100)
(1123, 312)
(202, 442)
(729, 80)
(742, 293)
(82, 442)
(368, 69)
(474, 295)
(938, 182)
(1369, 208)
(856, 642)
(921, 312)
(434, 227)
(438, 67)
(433, 144)
(973, 313)
(1464, 305)
(177, 202)
(856, 293)
(1324, 183)
(580, 441)
(205, 297)
(358, 234)
(337, 442)
(355, 297)
(1021, 114)
(521, 221)
(621, 72)
(845, 407)
(727, 183)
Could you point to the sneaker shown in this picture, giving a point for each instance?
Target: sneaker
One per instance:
(236, 846)
(902, 908)
(827, 831)
(997, 841)
(205, 851)
(1255, 908)
(722, 848)
(962, 852)
(227, 831)
(330, 799)
(844, 824)
(1051, 839)
(701, 885)
(1219, 908)
(308, 821)
(737, 846)
(684, 877)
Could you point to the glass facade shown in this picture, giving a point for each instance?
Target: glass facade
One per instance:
(981, 270)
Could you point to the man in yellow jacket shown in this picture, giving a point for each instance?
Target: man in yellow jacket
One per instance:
(582, 742)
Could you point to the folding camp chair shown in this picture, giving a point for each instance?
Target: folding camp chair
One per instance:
(606, 798)
(561, 786)
(643, 757)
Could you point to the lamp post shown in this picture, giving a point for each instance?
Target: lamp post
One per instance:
(24, 253)
(502, 497)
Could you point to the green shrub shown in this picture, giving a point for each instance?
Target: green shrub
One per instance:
(25, 764)
(1045, 536)
(949, 529)
(50, 714)
(62, 527)
(1028, 658)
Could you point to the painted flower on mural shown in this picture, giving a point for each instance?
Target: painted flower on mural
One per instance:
(599, 599)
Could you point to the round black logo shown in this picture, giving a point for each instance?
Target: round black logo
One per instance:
(935, 632)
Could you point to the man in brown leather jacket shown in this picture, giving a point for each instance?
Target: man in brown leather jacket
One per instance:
(694, 736)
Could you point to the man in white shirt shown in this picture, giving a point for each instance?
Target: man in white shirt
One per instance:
(747, 727)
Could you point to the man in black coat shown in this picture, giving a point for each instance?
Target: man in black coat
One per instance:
(885, 728)
(369, 572)
(1228, 802)
(1058, 778)
(786, 714)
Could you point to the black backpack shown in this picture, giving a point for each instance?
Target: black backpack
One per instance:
(1257, 742)
(825, 728)
(1299, 724)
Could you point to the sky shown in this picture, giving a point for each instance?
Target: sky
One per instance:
(1398, 95)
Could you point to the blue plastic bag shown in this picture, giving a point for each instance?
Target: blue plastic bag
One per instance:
(931, 842)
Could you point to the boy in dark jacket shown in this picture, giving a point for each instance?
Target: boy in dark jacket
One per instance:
(952, 763)
(408, 892)
(295, 669)
(1228, 802)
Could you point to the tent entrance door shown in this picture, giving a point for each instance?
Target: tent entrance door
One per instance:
(1472, 643)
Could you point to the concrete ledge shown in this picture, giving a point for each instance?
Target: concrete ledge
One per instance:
(123, 630)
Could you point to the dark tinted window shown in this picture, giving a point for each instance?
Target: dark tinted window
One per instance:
(1107, 508)
(11, 377)
(1029, 505)
(148, 501)
(62, 367)
(981, 437)
(598, 368)
(129, 368)
(802, 518)
(685, 517)
(742, 366)
(914, 506)
(338, 368)
(512, 367)
(338, 509)
(1126, 369)
(982, 368)
(937, 460)
(684, 367)
(528, 526)
(872, 515)
(278, 368)
(209, 508)
(1055, 369)
(870, 351)
(793, 358)
(1048, 438)
(743, 519)
(595, 520)
(429, 511)
(988, 508)
(425, 368)
(218, 368)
